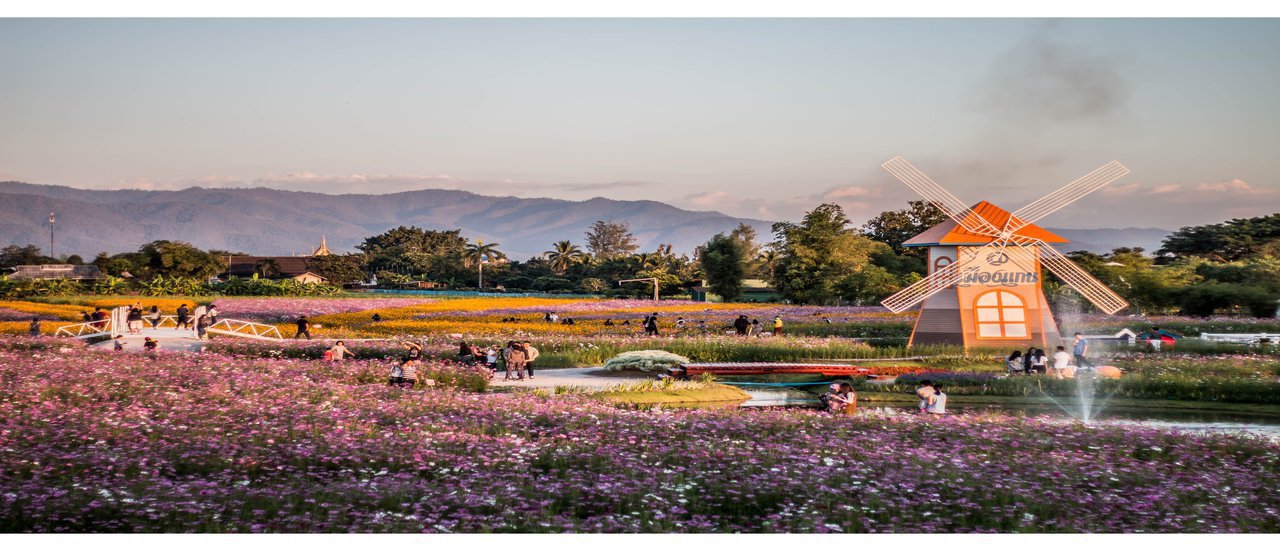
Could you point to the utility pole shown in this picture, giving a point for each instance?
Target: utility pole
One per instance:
(655, 284)
(51, 235)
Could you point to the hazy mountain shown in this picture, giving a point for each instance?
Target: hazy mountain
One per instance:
(270, 221)
(1100, 241)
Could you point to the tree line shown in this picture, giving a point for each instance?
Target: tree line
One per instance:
(821, 259)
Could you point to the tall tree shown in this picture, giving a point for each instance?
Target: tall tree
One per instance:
(817, 254)
(608, 240)
(894, 227)
(14, 255)
(724, 262)
(746, 236)
(564, 254)
(338, 270)
(1230, 241)
(413, 250)
(478, 253)
(179, 259)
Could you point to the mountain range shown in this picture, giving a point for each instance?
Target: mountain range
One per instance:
(265, 221)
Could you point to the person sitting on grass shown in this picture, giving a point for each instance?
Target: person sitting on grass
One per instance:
(834, 402)
(465, 354)
(850, 397)
(925, 392)
(34, 328)
(405, 374)
(937, 403)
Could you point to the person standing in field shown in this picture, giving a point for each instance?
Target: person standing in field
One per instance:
(304, 327)
(154, 316)
(34, 328)
(777, 325)
(531, 355)
(651, 324)
(340, 351)
(516, 358)
(183, 321)
(740, 325)
(1080, 348)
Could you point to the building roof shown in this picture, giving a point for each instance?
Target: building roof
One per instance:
(323, 250)
(950, 233)
(290, 266)
(57, 271)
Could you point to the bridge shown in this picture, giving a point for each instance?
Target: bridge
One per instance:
(166, 331)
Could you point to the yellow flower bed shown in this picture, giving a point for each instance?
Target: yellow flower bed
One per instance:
(45, 311)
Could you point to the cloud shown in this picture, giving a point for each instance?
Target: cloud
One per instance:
(1041, 80)
(1236, 185)
(850, 191)
(376, 184)
(1166, 188)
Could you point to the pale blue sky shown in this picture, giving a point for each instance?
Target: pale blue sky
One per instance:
(760, 118)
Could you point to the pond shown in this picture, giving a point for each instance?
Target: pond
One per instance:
(1191, 421)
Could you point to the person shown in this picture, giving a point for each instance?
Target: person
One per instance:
(531, 355)
(203, 322)
(1061, 361)
(626, 322)
(740, 325)
(554, 318)
(118, 343)
(34, 328)
(183, 321)
(405, 374)
(569, 321)
(651, 324)
(755, 329)
(304, 327)
(938, 403)
(702, 326)
(1038, 362)
(1014, 362)
(197, 314)
(150, 346)
(1079, 349)
(213, 313)
(679, 323)
(1026, 360)
(85, 317)
(850, 397)
(328, 353)
(608, 322)
(376, 318)
(515, 358)
(100, 318)
(925, 392)
(832, 400)
(777, 325)
(340, 351)
(546, 317)
(491, 357)
(154, 316)
(465, 355)
(134, 319)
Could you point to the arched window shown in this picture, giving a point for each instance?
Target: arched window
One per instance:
(940, 263)
(1000, 314)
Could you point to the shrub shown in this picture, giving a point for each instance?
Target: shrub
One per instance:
(649, 360)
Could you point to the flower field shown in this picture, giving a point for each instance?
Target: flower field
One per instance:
(97, 441)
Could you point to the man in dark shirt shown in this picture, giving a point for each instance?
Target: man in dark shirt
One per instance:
(304, 327)
(183, 313)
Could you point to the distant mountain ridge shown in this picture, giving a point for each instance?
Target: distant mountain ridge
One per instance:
(277, 222)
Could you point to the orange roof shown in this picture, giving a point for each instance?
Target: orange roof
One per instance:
(950, 233)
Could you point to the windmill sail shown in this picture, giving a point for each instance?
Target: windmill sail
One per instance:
(939, 197)
(1075, 277)
(1068, 194)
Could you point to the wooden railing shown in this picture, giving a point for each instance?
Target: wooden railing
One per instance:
(85, 330)
(245, 329)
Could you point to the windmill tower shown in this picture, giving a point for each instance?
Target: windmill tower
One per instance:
(984, 285)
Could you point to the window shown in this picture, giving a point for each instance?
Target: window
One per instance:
(1000, 314)
(940, 263)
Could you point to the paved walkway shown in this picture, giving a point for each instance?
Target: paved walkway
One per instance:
(587, 377)
(171, 339)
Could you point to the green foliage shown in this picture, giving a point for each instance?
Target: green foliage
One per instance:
(177, 259)
(816, 255)
(14, 255)
(895, 227)
(724, 263)
(564, 255)
(411, 250)
(608, 240)
(1233, 240)
(338, 270)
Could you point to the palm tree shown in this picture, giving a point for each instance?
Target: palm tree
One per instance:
(563, 255)
(267, 267)
(478, 253)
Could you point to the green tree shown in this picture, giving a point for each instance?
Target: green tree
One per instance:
(1229, 241)
(723, 261)
(178, 259)
(267, 268)
(894, 227)
(412, 250)
(14, 255)
(608, 240)
(338, 270)
(564, 254)
(817, 254)
(478, 253)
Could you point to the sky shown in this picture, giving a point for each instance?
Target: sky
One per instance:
(758, 118)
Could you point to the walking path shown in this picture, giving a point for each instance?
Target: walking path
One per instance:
(587, 377)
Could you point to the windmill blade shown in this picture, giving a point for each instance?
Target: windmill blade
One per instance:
(939, 197)
(936, 282)
(1068, 194)
(1075, 277)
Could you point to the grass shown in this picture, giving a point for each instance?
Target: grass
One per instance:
(713, 393)
(1119, 403)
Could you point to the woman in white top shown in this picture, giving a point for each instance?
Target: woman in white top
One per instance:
(1061, 362)
(938, 402)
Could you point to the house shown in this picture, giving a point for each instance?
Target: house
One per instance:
(297, 268)
(753, 290)
(57, 271)
(421, 285)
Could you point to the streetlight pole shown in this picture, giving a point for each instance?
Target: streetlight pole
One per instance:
(51, 220)
(655, 284)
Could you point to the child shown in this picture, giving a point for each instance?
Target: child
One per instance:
(328, 353)
(119, 342)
